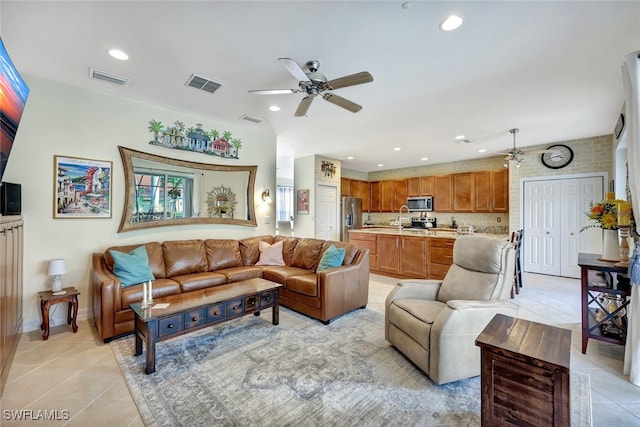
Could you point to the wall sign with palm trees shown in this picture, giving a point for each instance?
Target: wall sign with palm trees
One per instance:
(196, 139)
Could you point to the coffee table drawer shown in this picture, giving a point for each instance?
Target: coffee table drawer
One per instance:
(266, 299)
(234, 307)
(170, 325)
(215, 312)
(251, 303)
(195, 318)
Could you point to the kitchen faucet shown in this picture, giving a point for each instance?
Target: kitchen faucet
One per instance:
(400, 217)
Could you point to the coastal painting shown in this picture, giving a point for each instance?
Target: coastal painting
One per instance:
(178, 137)
(82, 188)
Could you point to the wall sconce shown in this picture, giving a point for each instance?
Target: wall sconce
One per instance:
(56, 268)
(266, 197)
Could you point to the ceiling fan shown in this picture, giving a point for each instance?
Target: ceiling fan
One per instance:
(517, 155)
(314, 83)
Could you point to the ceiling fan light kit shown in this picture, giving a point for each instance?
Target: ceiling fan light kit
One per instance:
(314, 83)
(516, 155)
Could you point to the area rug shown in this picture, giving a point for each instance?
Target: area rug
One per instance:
(247, 372)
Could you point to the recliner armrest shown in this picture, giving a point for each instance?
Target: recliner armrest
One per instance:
(414, 289)
(458, 304)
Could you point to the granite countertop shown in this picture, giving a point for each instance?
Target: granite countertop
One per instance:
(443, 233)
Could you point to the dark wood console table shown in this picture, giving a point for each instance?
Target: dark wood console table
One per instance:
(603, 278)
(196, 310)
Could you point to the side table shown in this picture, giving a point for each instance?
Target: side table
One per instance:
(47, 299)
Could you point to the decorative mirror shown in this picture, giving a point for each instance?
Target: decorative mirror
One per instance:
(161, 191)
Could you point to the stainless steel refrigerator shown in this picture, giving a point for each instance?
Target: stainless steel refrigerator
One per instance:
(351, 216)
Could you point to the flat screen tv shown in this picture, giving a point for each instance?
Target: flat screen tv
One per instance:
(13, 96)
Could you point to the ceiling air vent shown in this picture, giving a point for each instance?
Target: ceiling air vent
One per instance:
(202, 83)
(253, 119)
(108, 77)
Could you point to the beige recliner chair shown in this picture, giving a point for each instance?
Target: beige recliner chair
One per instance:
(435, 323)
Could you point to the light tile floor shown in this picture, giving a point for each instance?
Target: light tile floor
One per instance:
(79, 374)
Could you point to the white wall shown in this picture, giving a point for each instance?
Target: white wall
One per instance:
(63, 120)
(304, 179)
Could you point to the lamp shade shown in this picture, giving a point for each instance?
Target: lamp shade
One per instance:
(56, 267)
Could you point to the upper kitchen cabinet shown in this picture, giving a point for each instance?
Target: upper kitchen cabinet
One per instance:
(483, 198)
(386, 196)
(442, 186)
(426, 186)
(345, 187)
(361, 189)
(399, 194)
(413, 187)
(463, 192)
(500, 190)
(374, 192)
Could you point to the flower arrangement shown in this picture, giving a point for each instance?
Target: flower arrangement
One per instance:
(604, 214)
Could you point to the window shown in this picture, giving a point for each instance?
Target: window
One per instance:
(284, 203)
(162, 195)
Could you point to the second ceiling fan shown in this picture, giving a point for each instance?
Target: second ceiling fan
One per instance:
(314, 83)
(516, 154)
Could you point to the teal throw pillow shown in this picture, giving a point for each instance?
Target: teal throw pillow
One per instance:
(132, 268)
(332, 257)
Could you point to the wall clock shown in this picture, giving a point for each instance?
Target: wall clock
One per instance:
(561, 156)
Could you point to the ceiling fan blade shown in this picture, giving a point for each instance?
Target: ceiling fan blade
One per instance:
(352, 80)
(293, 67)
(342, 102)
(274, 91)
(303, 106)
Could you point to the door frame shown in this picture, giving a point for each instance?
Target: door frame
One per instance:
(523, 180)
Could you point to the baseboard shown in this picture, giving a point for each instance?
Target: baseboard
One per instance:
(57, 316)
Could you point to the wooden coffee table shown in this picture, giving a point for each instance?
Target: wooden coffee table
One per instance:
(196, 310)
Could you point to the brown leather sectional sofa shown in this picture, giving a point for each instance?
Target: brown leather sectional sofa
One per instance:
(188, 265)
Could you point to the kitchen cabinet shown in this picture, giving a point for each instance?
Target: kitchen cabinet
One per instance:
(399, 194)
(442, 186)
(386, 196)
(426, 186)
(500, 190)
(366, 241)
(483, 201)
(463, 192)
(374, 193)
(402, 255)
(414, 187)
(361, 189)
(440, 257)
(345, 187)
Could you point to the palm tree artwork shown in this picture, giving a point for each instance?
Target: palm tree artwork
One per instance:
(156, 127)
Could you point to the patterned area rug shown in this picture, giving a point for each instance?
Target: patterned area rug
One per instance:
(247, 372)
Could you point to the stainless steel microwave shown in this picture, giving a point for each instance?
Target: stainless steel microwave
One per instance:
(420, 204)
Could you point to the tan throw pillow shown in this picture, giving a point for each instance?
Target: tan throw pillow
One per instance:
(270, 254)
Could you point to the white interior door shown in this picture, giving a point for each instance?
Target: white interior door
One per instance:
(327, 213)
(553, 214)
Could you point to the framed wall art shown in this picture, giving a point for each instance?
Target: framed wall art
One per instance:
(303, 202)
(81, 188)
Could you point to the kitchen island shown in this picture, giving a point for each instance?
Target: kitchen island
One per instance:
(408, 252)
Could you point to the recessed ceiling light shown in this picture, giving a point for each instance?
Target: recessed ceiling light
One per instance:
(118, 54)
(482, 150)
(274, 108)
(460, 137)
(380, 165)
(451, 23)
(424, 158)
(397, 149)
(350, 158)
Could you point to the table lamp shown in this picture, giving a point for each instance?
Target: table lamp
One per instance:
(624, 223)
(56, 268)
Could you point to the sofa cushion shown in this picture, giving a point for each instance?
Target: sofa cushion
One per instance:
(306, 254)
(133, 267)
(195, 281)
(350, 250)
(270, 254)
(249, 248)
(161, 288)
(331, 258)
(288, 246)
(222, 253)
(154, 253)
(306, 284)
(280, 274)
(184, 257)
(236, 274)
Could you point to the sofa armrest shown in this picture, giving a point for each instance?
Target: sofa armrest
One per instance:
(106, 295)
(344, 288)
(414, 289)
